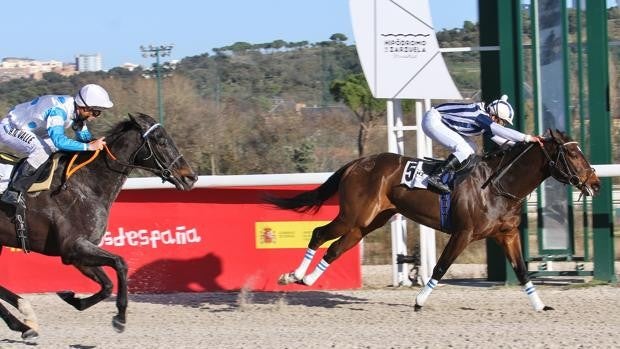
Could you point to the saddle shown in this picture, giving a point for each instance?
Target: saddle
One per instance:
(417, 171)
(9, 162)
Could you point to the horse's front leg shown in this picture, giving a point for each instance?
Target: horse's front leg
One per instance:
(99, 276)
(29, 326)
(511, 244)
(86, 254)
(456, 244)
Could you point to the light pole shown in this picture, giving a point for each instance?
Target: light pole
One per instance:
(157, 51)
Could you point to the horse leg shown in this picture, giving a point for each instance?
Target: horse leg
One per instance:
(337, 248)
(511, 244)
(99, 276)
(29, 326)
(320, 235)
(456, 244)
(84, 253)
(346, 241)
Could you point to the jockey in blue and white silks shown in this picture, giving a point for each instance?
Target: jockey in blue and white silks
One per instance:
(37, 129)
(454, 125)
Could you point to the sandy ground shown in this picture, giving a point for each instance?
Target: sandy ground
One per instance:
(459, 314)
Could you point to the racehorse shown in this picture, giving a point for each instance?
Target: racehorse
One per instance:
(485, 203)
(70, 219)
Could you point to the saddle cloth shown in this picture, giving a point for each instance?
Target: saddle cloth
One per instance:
(414, 176)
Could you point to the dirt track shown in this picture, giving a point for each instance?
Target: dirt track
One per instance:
(458, 314)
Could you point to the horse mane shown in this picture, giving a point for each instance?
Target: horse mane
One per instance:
(119, 127)
(502, 150)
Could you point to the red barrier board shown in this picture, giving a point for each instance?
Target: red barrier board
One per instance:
(203, 240)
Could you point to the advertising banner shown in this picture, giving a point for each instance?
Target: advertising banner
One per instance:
(203, 240)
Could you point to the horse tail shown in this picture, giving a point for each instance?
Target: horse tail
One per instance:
(311, 200)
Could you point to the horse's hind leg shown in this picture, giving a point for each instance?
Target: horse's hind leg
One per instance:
(511, 244)
(29, 327)
(320, 235)
(337, 248)
(349, 237)
(99, 276)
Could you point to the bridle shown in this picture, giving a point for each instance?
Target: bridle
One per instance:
(163, 171)
(567, 176)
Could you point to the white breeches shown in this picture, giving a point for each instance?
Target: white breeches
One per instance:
(25, 142)
(461, 147)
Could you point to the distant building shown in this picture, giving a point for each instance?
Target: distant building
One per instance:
(88, 62)
(16, 68)
(130, 66)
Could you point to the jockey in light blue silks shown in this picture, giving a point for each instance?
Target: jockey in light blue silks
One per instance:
(37, 129)
(454, 125)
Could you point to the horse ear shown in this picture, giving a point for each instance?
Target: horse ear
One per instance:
(140, 119)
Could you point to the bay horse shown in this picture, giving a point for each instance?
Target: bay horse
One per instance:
(485, 203)
(70, 219)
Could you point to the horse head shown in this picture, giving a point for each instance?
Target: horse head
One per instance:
(159, 155)
(568, 164)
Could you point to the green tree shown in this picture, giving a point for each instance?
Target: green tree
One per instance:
(353, 91)
(339, 37)
(303, 156)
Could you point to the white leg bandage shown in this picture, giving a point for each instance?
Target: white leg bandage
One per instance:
(420, 299)
(303, 267)
(312, 277)
(530, 290)
(30, 318)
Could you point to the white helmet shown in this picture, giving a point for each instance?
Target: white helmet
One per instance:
(93, 96)
(502, 109)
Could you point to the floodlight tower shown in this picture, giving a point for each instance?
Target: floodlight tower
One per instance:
(157, 52)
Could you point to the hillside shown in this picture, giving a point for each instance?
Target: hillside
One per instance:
(264, 108)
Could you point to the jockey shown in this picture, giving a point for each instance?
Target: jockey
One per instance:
(454, 124)
(37, 128)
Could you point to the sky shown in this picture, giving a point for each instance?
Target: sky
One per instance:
(116, 29)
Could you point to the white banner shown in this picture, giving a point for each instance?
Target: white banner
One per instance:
(398, 50)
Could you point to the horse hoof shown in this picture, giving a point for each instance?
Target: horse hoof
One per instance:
(547, 308)
(417, 307)
(118, 324)
(30, 334)
(288, 278)
(66, 295)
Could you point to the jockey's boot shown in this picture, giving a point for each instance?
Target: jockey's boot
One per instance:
(434, 178)
(23, 178)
